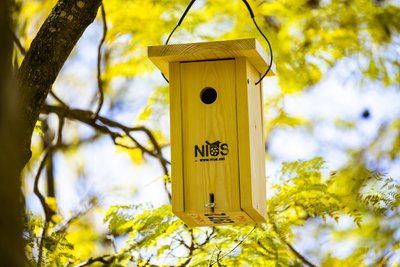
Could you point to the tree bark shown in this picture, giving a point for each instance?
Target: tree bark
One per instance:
(20, 105)
(11, 247)
(47, 54)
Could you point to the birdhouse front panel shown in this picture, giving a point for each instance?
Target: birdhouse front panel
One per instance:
(209, 132)
(217, 145)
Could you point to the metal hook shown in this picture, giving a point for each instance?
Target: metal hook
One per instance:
(211, 204)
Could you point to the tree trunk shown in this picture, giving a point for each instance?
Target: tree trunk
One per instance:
(11, 248)
(20, 106)
(47, 54)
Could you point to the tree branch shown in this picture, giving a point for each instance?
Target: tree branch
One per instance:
(99, 57)
(291, 248)
(230, 251)
(18, 43)
(46, 208)
(36, 190)
(115, 130)
(102, 259)
(43, 61)
(298, 255)
(86, 117)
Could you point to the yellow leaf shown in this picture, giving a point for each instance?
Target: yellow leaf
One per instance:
(52, 203)
(136, 156)
(56, 218)
(38, 128)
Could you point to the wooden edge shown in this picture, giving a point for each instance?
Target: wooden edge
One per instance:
(243, 133)
(161, 56)
(257, 148)
(249, 199)
(255, 215)
(263, 201)
(177, 186)
(199, 219)
(185, 218)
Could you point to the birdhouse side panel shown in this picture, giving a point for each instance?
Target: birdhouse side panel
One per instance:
(250, 140)
(178, 206)
(257, 144)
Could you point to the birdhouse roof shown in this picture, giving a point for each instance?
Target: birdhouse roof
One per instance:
(162, 55)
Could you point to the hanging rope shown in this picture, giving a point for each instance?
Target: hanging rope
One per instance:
(254, 21)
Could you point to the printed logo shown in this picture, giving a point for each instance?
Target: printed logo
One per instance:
(211, 151)
(219, 218)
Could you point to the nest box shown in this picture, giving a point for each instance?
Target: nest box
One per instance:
(217, 144)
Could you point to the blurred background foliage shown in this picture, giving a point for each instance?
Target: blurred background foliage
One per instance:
(332, 125)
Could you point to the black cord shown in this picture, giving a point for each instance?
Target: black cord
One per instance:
(254, 21)
(270, 51)
(265, 37)
(180, 20)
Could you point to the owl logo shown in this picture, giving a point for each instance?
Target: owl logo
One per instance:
(214, 148)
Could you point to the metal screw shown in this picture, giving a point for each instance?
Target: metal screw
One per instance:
(209, 205)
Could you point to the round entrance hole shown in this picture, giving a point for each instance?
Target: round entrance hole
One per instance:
(208, 95)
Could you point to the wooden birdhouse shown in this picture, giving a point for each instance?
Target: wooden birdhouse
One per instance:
(217, 144)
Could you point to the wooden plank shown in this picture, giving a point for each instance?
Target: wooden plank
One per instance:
(178, 204)
(216, 219)
(243, 133)
(209, 137)
(161, 56)
(250, 141)
(257, 147)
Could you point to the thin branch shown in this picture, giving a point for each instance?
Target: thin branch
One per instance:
(102, 259)
(44, 205)
(99, 59)
(42, 237)
(112, 240)
(106, 126)
(291, 248)
(18, 43)
(50, 176)
(62, 227)
(235, 247)
(48, 212)
(298, 255)
(212, 255)
(57, 98)
(61, 121)
(85, 116)
(36, 186)
(208, 237)
(106, 262)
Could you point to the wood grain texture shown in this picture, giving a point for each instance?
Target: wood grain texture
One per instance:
(176, 139)
(257, 147)
(161, 56)
(196, 219)
(250, 141)
(236, 177)
(202, 123)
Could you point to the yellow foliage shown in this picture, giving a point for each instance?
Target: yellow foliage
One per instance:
(56, 218)
(51, 203)
(136, 156)
(84, 238)
(38, 128)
